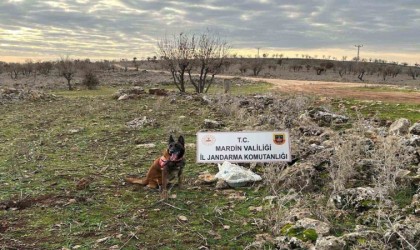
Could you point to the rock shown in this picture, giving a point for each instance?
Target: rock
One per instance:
(328, 144)
(327, 135)
(415, 129)
(354, 237)
(159, 92)
(146, 145)
(399, 127)
(284, 242)
(243, 103)
(414, 141)
(205, 100)
(415, 204)
(140, 122)
(325, 118)
(206, 177)
(123, 97)
(211, 124)
(320, 227)
(182, 218)
(311, 131)
(301, 176)
(221, 184)
(131, 93)
(330, 243)
(360, 198)
(9, 91)
(402, 231)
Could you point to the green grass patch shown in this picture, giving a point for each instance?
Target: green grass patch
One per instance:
(47, 148)
(100, 91)
(376, 88)
(382, 110)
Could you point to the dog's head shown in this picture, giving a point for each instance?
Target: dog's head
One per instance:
(176, 149)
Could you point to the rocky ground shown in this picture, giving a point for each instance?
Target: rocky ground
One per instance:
(353, 182)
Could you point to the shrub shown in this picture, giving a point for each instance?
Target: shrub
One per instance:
(90, 80)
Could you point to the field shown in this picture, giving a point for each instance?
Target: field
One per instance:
(63, 159)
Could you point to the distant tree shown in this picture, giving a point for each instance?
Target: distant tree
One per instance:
(414, 72)
(361, 70)
(28, 67)
(135, 63)
(257, 65)
(44, 67)
(90, 79)
(14, 69)
(67, 69)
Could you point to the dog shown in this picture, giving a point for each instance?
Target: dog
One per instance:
(165, 168)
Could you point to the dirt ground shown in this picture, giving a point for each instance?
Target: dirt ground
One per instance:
(345, 89)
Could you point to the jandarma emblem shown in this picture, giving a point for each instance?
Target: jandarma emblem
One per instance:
(208, 140)
(279, 139)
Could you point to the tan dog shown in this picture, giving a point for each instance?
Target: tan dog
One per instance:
(165, 168)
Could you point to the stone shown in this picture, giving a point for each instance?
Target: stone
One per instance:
(222, 184)
(330, 243)
(146, 145)
(360, 198)
(301, 176)
(140, 122)
(404, 231)
(399, 127)
(354, 237)
(415, 129)
(157, 91)
(320, 227)
(414, 141)
(123, 97)
(326, 118)
(211, 124)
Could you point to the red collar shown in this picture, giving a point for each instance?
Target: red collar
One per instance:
(163, 161)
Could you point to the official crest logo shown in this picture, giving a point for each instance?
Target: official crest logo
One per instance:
(279, 139)
(208, 140)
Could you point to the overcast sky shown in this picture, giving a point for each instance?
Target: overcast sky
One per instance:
(106, 29)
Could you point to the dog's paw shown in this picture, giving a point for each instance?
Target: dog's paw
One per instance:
(164, 195)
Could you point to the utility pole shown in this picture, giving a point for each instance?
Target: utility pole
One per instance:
(258, 54)
(358, 50)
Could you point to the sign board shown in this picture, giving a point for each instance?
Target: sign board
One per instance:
(213, 147)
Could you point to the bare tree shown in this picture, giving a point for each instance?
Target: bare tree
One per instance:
(177, 53)
(67, 69)
(44, 67)
(257, 65)
(413, 72)
(210, 54)
(205, 54)
(135, 63)
(14, 69)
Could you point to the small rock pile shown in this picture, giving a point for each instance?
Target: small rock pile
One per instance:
(8, 95)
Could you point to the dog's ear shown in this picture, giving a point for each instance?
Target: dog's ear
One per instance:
(171, 139)
(181, 140)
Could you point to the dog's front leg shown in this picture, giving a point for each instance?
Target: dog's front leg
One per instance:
(164, 194)
(180, 178)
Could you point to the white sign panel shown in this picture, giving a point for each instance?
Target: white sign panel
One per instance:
(215, 147)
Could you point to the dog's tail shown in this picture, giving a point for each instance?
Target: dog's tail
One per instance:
(133, 180)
